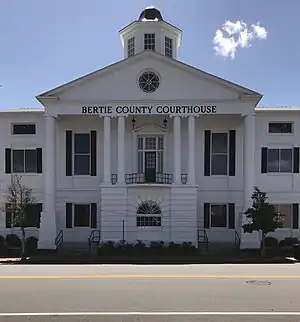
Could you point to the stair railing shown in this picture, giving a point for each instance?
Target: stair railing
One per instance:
(59, 239)
(94, 238)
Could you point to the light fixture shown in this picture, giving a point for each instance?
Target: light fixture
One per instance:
(133, 123)
(165, 122)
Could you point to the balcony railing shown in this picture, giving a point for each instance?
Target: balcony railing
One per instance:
(140, 178)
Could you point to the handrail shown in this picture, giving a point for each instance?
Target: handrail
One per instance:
(94, 238)
(237, 239)
(59, 238)
(204, 236)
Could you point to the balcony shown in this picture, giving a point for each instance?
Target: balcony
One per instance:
(144, 178)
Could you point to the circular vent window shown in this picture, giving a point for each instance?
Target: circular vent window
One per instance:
(149, 82)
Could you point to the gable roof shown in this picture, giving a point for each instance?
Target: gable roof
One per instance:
(151, 54)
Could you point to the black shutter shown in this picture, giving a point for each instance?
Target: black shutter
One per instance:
(295, 216)
(206, 215)
(232, 148)
(93, 153)
(231, 216)
(264, 160)
(69, 153)
(7, 160)
(8, 216)
(296, 160)
(207, 138)
(40, 209)
(39, 160)
(93, 215)
(69, 215)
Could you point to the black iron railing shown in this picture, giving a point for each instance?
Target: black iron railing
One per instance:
(139, 178)
(237, 239)
(94, 238)
(59, 239)
(202, 238)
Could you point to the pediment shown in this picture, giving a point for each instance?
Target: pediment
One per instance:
(150, 129)
(119, 83)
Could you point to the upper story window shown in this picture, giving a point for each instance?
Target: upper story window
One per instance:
(280, 160)
(149, 42)
(26, 161)
(219, 153)
(131, 47)
(82, 153)
(23, 129)
(281, 127)
(169, 47)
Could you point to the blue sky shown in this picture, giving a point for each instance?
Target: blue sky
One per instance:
(46, 43)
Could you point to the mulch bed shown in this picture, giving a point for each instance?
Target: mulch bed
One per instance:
(144, 260)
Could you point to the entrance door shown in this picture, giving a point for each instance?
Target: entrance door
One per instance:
(150, 167)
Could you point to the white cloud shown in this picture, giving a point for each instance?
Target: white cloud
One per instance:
(234, 35)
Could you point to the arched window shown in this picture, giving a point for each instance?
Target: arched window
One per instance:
(148, 214)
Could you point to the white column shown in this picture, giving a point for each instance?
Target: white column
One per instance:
(249, 240)
(121, 150)
(177, 149)
(191, 154)
(249, 159)
(107, 151)
(47, 231)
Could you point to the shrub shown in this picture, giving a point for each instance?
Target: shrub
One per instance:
(31, 245)
(271, 242)
(2, 245)
(288, 241)
(13, 240)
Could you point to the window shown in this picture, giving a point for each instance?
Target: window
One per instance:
(285, 210)
(169, 47)
(82, 215)
(149, 42)
(219, 157)
(149, 82)
(23, 129)
(280, 127)
(150, 144)
(32, 216)
(82, 153)
(280, 160)
(148, 214)
(218, 214)
(130, 47)
(24, 161)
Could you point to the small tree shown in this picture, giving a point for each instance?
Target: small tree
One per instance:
(262, 217)
(18, 199)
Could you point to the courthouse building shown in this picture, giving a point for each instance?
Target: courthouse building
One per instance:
(150, 148)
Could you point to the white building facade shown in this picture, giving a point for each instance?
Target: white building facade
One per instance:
(151, 149)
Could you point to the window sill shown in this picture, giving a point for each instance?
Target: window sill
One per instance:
(280, 173)
(150, 227)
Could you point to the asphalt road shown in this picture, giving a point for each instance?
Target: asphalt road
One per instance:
(124, 289)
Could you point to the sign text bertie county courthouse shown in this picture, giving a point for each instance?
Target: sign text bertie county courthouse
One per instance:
(149, 110)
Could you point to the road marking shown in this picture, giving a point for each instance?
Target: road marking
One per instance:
(149, 276)
(149, 313)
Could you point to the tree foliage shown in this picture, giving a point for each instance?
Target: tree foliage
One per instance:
(261, 215)
(18, 199)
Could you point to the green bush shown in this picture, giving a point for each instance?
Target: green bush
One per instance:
(31, 245)
(2, 245)
(156, 248)
(13, 240)
(271, 242)
(288, 241)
